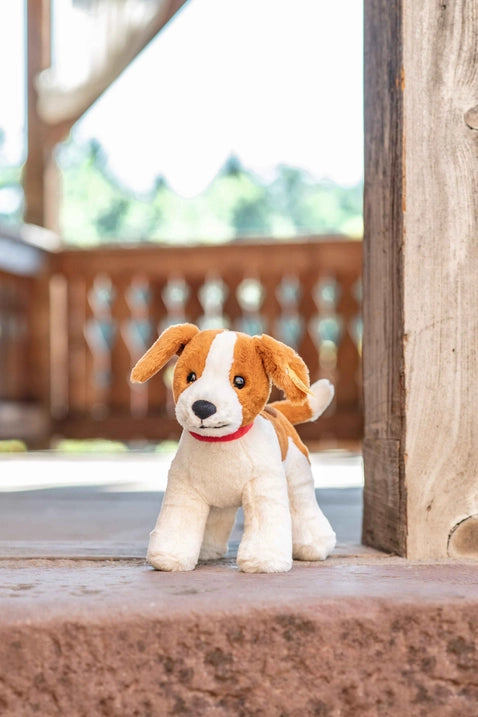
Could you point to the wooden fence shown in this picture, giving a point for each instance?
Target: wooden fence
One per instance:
(24, 341)
(106, 305)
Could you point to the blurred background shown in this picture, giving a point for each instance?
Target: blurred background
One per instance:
(237, 118)
(163, 161)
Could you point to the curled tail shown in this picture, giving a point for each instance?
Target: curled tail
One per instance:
(321, 394)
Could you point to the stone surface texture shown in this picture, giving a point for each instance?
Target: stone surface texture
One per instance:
(367, 636)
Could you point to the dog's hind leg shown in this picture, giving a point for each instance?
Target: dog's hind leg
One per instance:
(312, 534)
(216, 534)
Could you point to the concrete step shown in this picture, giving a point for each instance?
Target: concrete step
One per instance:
(365, 635)
(87, 629)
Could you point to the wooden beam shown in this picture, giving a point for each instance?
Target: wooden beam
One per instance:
(35, 179)
(420, 287)
(384, 503)
(82, 98)
(40, 176)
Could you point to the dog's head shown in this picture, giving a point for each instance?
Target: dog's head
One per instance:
(222, 379)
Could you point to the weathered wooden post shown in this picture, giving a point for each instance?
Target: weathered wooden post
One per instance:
(40, 172)
(421, 278)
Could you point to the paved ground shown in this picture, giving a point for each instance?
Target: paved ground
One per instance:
(368, 637)
(107, 505)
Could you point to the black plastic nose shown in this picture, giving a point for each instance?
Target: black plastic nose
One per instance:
(203, 409)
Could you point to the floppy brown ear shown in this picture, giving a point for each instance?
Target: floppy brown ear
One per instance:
(285, 367)
(172, 341)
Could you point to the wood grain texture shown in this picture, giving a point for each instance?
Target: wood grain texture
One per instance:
(441, 270)
(384, 499)
(421, 259)
(380, 526)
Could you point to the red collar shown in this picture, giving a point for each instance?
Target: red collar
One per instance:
(221, 439)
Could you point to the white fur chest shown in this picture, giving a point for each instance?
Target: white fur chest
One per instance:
(219, 471)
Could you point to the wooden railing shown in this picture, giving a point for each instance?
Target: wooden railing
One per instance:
(107, 305)
(24, 353)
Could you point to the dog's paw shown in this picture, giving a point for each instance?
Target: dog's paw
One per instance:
(170, 563)
(253, 564)
(319, 549)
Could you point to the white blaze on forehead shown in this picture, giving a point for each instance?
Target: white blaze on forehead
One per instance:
(220, 357)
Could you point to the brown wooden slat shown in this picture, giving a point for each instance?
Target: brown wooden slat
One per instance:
(326, 253)
(120, 392)
(24, 357)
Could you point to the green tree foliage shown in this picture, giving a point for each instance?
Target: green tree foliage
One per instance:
(96, 208)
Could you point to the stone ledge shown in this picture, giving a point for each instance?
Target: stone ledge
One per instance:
(112, 549)
(352, 636)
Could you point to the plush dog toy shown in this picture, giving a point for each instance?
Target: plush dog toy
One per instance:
(237, 450)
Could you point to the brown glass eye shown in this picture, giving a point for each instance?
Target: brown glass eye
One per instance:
(191, 377)
(239, 382)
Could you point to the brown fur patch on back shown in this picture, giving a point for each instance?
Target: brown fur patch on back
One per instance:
(284, 430)
(295, 413)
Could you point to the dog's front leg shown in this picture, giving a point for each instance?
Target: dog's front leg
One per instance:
(175, 542)
(266, 546)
